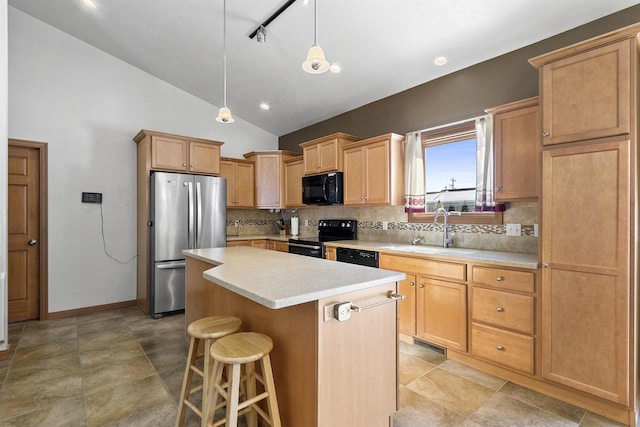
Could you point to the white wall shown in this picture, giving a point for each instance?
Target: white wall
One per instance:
(3, 167)
(88, 105)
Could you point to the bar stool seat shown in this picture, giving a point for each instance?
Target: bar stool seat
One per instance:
(208, 329)
(233, 352)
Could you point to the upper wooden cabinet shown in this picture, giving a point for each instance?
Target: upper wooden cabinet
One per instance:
(293, 172)
(325, 154)
(373, 171)
(240, 182)
(181, 153)
(586, 92)
(516, 134)
(269, 177)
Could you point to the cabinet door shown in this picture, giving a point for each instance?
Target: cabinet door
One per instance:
(585, 279)
(204, 158)
(227, 170)
(245, 187)
(330, 254)
(311, 157)
(328, 155)
(377, 173)
(354, 176)
(262, 244)
(587, 96)
(407, 307)
(442, 313)
(516, 141)
(169, 153)
(293, 172)
(268, 181)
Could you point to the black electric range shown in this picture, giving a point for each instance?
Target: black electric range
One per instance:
(329, 230)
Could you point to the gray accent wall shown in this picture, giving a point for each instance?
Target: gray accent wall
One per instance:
(460, 95)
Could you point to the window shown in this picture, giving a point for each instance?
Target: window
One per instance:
(450, 154)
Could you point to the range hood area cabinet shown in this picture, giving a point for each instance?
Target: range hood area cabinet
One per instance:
(293, 172)
(325, 154)
(589, 302)
(269, 177)
(158, 151)
(240, 182)
(517, 139)
(374, 171)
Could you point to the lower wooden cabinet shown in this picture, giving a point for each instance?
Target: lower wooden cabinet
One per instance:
(407, 307)
(442, 313)
(282, 246)
(330, 254)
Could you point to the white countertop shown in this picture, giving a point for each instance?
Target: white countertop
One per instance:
(505, 259)
(279, 279)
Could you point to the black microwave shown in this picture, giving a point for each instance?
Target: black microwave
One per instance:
(325, 189)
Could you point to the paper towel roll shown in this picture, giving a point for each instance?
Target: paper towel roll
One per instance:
(294, 226)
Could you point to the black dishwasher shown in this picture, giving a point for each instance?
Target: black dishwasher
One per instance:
(357, 256)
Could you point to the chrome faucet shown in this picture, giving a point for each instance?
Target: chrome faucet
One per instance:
(447, 236)
(416, 240)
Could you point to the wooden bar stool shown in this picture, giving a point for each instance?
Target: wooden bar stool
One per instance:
(208, 329)
(234, 351)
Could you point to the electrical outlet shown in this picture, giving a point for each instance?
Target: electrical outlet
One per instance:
(306, 222)
(342, 311)
(514, 230)
(91, 197)
(535, 230)
(236, 223)
(385, 225)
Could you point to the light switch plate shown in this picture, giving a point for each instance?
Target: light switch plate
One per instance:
(385, 225)
(514, 230)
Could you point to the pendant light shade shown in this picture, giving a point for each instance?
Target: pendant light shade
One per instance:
(224, 115)
(316, 63)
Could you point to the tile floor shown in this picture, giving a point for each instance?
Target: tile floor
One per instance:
(121, 368)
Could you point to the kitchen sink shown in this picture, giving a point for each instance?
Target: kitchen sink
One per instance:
(428, 250)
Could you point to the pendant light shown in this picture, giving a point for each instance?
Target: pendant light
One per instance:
(224, 115)
(316, 63)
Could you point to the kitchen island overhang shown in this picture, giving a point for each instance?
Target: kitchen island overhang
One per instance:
(327, 373)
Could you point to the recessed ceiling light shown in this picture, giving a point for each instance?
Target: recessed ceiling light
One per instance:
(440, 60)
(335, 68)
(264, 106)
(305, 2)
(89, 3)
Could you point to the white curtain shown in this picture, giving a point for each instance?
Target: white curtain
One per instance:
(485, 185)
(414, 195)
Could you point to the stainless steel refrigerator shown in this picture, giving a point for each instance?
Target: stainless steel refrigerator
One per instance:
(187, 212)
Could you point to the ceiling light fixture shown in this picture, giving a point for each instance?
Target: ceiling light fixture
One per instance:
(264, 106)
(224, 115)
(315, 63)
(261, 35)
(272, 18)
(335, 68)
(440, 60)
(89, 3)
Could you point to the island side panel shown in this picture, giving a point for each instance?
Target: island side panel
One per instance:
(357, 361)
(292, 329)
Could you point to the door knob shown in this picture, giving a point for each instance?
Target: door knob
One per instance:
(32, 242)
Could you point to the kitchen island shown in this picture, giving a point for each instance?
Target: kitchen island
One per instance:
(327, 372)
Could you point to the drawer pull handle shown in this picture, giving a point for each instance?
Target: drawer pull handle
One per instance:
(499, 278)
(500, 348)
(412, 283)
(500, 309)
(422, 285)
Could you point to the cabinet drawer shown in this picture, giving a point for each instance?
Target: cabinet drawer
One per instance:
(282, 246)
(425, 267)
(501, 278)
(234, 243)
(506, 348)
(503, 309)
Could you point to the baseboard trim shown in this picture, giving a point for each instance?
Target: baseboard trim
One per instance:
(6, 354)
(89, 310)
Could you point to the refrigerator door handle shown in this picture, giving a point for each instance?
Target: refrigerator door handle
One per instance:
(191, 219)
(172, 265)
(198, 216)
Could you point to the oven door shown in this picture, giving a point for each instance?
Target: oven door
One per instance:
(316, 250)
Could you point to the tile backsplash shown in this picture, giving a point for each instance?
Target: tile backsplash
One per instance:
(399, 230)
